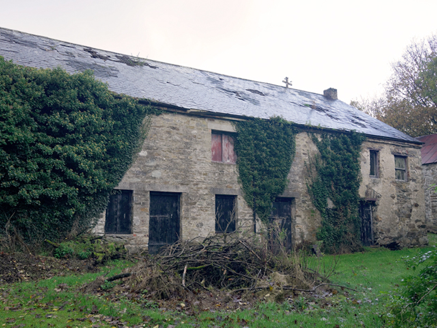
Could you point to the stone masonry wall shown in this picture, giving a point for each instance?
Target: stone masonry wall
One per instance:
(430, 179)
(176, 157)
(399, 211)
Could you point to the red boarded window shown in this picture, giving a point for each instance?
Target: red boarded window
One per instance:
(222, 148)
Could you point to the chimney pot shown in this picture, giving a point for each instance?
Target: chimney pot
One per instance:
(331, 94)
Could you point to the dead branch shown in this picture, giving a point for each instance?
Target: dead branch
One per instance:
(238, 264)
(183, 277)
(119, 276)
(55, 245)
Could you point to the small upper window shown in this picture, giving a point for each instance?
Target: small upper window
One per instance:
(374, 163)
(222, 148)
(400, 168)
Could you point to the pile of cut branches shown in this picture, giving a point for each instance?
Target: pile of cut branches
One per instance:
(239, 265)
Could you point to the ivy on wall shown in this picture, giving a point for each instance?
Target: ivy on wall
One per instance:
(65, 143)
(265, 151)
(333, 181)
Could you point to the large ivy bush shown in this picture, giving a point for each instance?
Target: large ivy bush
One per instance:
(65, 143)
(265, 151)
(335, 175)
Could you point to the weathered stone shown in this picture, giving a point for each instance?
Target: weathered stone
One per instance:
(176, 157)
(430, 177)
(397, 208)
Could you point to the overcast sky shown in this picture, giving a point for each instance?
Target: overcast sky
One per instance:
(348, 45)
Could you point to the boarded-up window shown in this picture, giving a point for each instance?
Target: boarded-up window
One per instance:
(374, 163)
(400, 168)
(222, 148)
(118, 213)
(225, 216)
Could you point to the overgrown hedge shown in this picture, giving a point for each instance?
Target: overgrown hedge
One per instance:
(65, 143)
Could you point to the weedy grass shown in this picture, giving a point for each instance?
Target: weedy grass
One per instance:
(373, 274)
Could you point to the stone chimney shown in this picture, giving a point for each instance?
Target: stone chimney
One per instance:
(331, 94)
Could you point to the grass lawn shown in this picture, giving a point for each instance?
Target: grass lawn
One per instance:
(56, 302)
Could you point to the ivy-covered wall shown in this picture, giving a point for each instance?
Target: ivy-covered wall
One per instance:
(333, 178)
(176, 157)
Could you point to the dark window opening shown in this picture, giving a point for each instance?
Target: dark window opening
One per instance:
(374, 163)
(164, 222)
(400, 168)
(222, 148)
(119, 213)
(225, 214)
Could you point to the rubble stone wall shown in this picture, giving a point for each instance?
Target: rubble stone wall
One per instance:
(430, 180)
(399, 206)
(176, 157)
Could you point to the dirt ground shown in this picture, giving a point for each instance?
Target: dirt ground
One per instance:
(16, 267)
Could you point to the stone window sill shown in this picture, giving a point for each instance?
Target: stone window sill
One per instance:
(223, 163)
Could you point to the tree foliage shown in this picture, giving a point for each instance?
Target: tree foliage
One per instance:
(409, 102)
(65, 143)
(336, 175)
(265, 151)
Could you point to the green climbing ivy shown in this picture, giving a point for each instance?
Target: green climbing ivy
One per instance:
(65, 142)
(336, 175)
(265, 151)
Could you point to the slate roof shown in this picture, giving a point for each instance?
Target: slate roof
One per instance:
(191, 88)
(429, 149)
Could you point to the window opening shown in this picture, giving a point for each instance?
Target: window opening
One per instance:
(374, 163)
(225, 214)
(118, 213)
(400, 168)
(222, 148)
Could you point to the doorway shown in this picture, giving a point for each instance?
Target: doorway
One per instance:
(280, 234)
(366, 214)
(164, 223)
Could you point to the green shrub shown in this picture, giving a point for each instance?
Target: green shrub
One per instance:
(63, 251)
(107, 285)
(415, 304)
(87, 246)
(65, 143)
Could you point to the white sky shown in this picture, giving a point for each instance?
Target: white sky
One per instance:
(344, 44)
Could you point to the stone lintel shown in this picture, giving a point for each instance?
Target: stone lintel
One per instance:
(151, 187)
(290, 194)
(221, 126)
(225, 191)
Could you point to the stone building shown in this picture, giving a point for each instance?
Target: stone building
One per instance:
(429, 167)
(184, 182)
